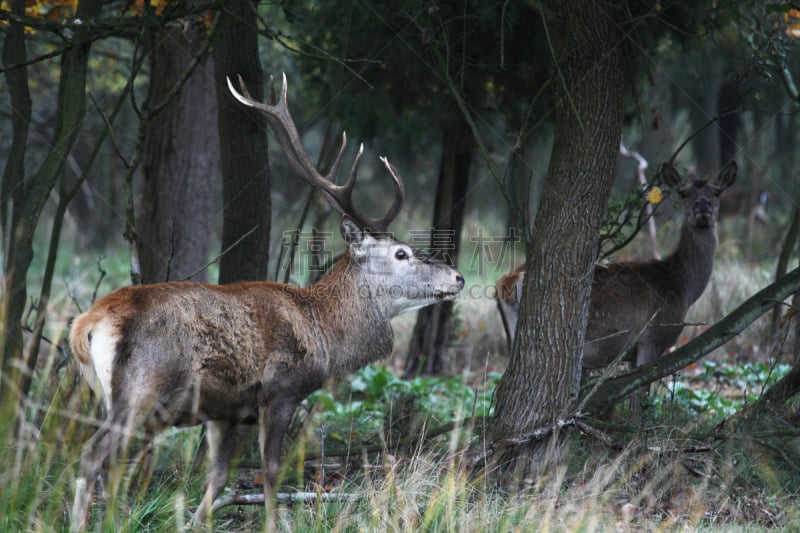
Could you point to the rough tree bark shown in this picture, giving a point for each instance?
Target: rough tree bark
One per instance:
(542, 380)
(427, 349)
(180, 164)
(243, 149)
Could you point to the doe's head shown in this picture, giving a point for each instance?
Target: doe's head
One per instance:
(700, 199)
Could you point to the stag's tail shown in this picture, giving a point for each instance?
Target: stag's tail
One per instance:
(80, 336)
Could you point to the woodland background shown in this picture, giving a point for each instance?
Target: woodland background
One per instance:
(125, 160)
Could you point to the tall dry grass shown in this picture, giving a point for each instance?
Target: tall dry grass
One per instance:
(663, 479)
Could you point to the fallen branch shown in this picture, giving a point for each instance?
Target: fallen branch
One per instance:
(598, 434)
(411, 441)
(517, 440)
(284, 497)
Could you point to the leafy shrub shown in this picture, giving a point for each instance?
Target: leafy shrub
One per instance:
(720, 389)
(374, 399)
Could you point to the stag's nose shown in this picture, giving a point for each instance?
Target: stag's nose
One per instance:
(459, 280)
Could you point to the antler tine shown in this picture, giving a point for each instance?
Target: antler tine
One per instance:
(399, 196)
(376, 224)
(281, 122)
(334, 171)
(338, 196)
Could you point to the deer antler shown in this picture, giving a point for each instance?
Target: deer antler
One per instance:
(338, 196)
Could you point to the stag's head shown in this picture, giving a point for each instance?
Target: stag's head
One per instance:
(393, 274)
(402, 278)
(700, 199)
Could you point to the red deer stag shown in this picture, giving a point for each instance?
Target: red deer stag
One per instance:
(182, 353)
(650, 299)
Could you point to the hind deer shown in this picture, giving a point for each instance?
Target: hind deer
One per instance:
(182, 353)
(640, 308)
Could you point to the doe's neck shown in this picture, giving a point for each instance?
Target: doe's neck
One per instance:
(693, 259)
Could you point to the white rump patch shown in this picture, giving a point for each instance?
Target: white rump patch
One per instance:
(103, 348)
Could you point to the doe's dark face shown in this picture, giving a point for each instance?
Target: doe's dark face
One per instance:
(705, 206)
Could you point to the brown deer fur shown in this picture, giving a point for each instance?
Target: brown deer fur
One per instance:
(178, 354)
(639, 308)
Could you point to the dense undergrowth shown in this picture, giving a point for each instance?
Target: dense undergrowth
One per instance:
(392, 453)
(388, 451)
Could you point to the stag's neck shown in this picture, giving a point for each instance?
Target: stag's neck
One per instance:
(355, 327)
(693, 260)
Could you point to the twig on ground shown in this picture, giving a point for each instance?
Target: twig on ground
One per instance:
(283, 497)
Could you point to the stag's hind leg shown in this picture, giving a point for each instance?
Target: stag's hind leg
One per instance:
(110, 438)
(221, 439)
(94, 462)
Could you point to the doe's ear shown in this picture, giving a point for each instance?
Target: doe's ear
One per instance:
(671, 177)
(351, 231)
(726, 176)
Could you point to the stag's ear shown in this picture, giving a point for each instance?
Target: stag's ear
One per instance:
(357, 238)
(726, 176)
(351, 231)
(671, 177)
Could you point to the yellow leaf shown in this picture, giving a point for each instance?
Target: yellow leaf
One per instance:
(655, 195)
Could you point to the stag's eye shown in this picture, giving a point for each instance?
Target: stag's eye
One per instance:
(401, 255)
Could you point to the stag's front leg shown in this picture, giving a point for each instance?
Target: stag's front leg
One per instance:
(221, 439)
(274, 418)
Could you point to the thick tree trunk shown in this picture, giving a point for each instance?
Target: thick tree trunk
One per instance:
(427, 350)
(181, 161)
(243, 149)
(542, 380)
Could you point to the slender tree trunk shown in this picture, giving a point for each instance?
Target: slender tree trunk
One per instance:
(181, 161)
(13, 189)
(702, 106)
(729, 122)
(427, 350)
(243, 149)
(29, 200)
(13, 186)
(542, 380)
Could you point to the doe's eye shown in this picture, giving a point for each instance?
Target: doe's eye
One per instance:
(401, 255)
